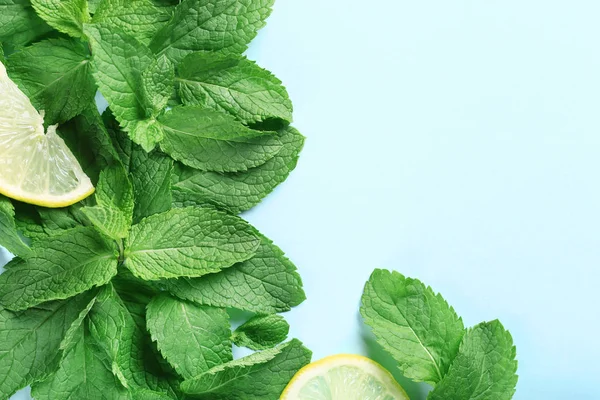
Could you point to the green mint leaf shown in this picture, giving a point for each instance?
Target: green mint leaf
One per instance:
(88, 139)
(71, 335)
(261, 332)
(142, 365)
(2, 60)
(213, 141)
(138, 18)
(415, 325)
(9, 235)
(484, 368)
(188, 242)
(149, 395)
(82, 374)
(93, 5)
(67, 16)
(56, 76)
(227, 25)
(158, 82)
(233, 84)
(118, 62)
(150, 173)
(266, 283)
(206, 329)
(60, 267)
(240, 191)
(19, 24)
(112, 329)
(30, 342)
(113, 215)
(260, 376)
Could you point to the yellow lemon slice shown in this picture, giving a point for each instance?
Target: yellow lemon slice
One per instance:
(35, 167)
(344, 377)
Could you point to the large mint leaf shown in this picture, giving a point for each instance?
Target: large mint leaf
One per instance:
(212, 141)
(119, 60)
(19, 24)
(415, 325)
(188, 242)
(158, 84)
(113, 215)
(82, 373)
(206, 329)
(61, 266)
(56, 76)
(260, 376)
(150, 173)
(484, 368)
(227, 25)
(240, 191)
(30, 341)
(233, 84)
(138, 358)
(9, 235)
(138, 18)
(112, 328)
(67, 16)
(266, 283)
(261, 332)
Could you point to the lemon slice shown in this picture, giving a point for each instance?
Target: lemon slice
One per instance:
(344, 377)
(35, 167)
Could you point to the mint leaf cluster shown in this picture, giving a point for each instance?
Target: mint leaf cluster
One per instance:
(125, 295)
(430, 343)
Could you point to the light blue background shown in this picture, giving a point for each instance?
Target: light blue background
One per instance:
(457, 142)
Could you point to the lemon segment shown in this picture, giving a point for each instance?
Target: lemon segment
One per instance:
(344, 377)
(35, 167)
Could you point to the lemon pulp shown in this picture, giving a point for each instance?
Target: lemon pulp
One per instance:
(344, 377)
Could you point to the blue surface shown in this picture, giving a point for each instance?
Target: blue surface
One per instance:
(456, 142)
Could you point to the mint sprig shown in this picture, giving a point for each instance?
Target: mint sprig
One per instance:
(429, 342)
(131, 285)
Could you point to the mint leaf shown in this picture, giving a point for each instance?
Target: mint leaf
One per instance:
(112, 329)
(118, 62)
(88, 139)
(114, 213)
(158, 84)
(150, 173)
(67, 16)
(415, 325)
(56, 76)
(266, 283)
(227, 25)
(188, 242)
(9, 236)
(138, 18)
(213, 141)
(30, 341)
(93, 5)
(207, 330)
(82, 374)
(261, 332)
(240, 191)
(71, 335)
(260, 376)
(2, 60)
(233, 84)
(19, 24)
(61, 266)
(484, 368)
(150, 395)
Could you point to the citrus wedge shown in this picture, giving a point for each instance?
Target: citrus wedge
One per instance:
(344, 377)
(35, 167)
